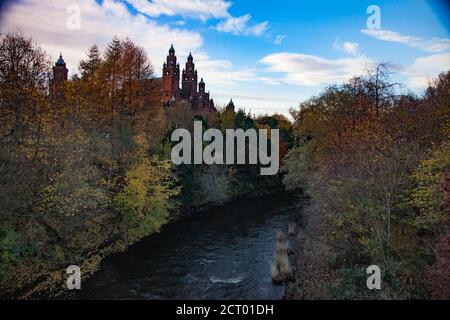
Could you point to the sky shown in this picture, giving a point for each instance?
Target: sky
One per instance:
(268, 55)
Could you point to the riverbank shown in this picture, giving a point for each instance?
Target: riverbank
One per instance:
(311, 261)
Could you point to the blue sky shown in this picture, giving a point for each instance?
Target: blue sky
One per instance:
(266, 55)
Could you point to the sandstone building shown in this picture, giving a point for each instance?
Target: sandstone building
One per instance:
(191, 90)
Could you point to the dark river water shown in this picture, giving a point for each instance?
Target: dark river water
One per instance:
(221, 253)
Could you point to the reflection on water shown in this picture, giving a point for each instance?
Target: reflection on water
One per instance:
(222, 253)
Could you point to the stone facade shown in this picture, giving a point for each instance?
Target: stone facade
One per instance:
(191, 90)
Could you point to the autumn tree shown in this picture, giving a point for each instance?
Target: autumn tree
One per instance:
(24, 71)
(357, 145)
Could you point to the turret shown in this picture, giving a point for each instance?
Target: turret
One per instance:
(60, 72)
(201, 86)
(171, 77)
(189, 79)
(60, 75)
(230, 106)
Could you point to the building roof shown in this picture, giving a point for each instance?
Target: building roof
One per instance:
(60, 61)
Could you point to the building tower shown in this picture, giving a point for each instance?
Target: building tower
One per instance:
(189, 80)
(230, 106)
(191, 91)
(171, 78)
(201, 87)
(60, 72)
(203, 96)
(60, 75)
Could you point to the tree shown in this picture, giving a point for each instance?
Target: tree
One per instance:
(24, 71)
(89, 67)
(145, 201)
(357, 145)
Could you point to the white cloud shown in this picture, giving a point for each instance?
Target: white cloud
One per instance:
(348, 47)
(45, 21)
(279, 39)
(202, 9)
(257, 29)
(425, 69)
(239, 26)
(310, 70)
(351, 47)
(234, 25)
(223, 72)
(433, 45)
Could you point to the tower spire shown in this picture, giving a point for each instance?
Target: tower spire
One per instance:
(171, 77)
(60, 75)
(189, 79)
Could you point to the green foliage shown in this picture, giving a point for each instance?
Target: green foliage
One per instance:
(427, 196)
(298, 164)
(145, 200)
(350, 284)
(215, 185)
(243, 121)
(227, 119)
(77, 186)
(13, 248)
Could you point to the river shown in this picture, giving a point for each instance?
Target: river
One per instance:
(220, 253)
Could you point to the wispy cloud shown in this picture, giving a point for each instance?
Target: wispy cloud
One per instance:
(279, 39)
(433, 45)
(260, 98)
(424, 69)
(239, 26)
(348, 47)
(202, 9)
(223, 72)
(311, 70)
